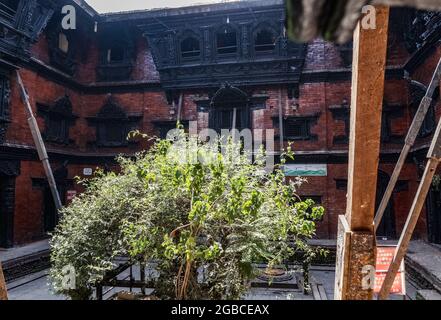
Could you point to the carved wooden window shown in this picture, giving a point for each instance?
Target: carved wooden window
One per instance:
(115, 54)
(226, 41)
(8, 8)
(57, 130)
(299, 128)
(227, 102)
(265, 41)
(113, 125)
(58, 120)
(190, 48)
(63, 46)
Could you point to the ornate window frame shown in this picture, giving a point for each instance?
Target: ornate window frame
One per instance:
(305, 124)
(65, 61)
(116, 70)
(265, 26)
(186, 35)
(59, 116)
(112, 116)
(220, 29)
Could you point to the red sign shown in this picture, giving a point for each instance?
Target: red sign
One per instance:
(385, 256)
(71, 194)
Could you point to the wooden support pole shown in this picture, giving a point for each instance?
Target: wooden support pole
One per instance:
(3, 289)
(434, 157)
(281, 129)
(39, 144)
(180, 103)
(370, 47)
(410, 140)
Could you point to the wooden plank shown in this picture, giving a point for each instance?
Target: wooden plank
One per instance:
(369, 64)
(370, 47)
(39, 144)
(3, 289)
(415, 127)
(434, 157)
(342, 263)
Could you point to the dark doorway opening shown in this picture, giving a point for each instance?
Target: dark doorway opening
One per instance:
(433, 205)
(7, 203)
(387, 229)
(49, 214)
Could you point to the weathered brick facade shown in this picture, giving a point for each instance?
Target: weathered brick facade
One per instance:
(324, 91)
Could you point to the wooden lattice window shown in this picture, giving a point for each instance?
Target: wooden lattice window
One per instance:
(113, 125)
(190, 48)
(115, 54)
(297, 129)
(265, 41)
(227, 41)
(58, 120)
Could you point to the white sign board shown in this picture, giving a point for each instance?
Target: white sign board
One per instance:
(305, 170)
(87, 171)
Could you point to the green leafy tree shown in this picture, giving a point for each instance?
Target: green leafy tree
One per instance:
(206, 217)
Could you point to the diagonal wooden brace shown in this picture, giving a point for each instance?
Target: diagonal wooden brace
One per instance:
(434, 157)
(409, 142)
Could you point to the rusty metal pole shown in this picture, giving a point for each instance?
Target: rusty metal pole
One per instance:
(39, 144)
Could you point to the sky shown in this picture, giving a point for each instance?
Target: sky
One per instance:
(103, 6)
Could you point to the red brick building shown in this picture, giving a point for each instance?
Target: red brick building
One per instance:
(140, 70)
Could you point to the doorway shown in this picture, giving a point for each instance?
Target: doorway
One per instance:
(387, 228)
(7, 203)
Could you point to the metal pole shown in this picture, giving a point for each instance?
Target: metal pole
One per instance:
(434, 157)
(410, 140)
(38, 140)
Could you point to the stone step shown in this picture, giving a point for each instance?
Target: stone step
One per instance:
(428, 295)
(423, 265)
(26, 265)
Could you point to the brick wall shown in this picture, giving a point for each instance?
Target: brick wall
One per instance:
(315, 99)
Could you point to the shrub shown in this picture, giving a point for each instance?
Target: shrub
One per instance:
(205, 222)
